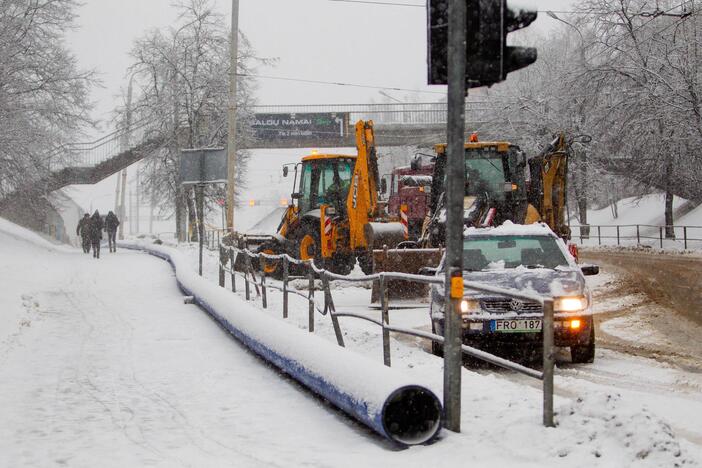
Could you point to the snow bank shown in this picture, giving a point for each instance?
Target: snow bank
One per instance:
(24, 234)
(381, 397)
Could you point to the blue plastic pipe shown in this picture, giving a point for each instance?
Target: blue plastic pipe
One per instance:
(380, 397)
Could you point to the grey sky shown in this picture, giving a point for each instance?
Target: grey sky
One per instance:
(313, 39)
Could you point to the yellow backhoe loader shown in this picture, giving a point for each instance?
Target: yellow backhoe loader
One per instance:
(334, 217)
(502, 184)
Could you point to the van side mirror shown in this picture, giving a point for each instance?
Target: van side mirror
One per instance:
(383, 185)
(285, 171)
(414, 164)
(590, 270)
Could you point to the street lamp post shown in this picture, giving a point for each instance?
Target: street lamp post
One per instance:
(231, 135)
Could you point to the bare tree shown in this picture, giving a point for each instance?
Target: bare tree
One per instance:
(43, 94)
(628, 74)
(181, 75)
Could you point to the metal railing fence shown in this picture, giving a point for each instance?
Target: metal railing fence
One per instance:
(685, 237)
(229, 256)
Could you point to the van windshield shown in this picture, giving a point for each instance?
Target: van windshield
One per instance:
(494, 252)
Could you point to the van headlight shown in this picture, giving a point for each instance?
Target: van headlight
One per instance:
(570, 304)
(470, 306)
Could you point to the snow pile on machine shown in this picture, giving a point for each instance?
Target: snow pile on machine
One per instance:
(380, 397)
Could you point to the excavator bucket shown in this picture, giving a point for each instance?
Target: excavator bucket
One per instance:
(404, 261)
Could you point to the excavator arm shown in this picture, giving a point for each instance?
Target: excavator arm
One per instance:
(362, 200)
(549, 171)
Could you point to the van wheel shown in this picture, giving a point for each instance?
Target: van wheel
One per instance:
(437, 349)
(584, 354)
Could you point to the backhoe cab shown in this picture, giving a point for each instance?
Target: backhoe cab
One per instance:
(502, 184)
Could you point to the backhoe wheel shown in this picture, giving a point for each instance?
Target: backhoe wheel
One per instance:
(309, 246)
(273, 268)
(340, 264)
(365, 261)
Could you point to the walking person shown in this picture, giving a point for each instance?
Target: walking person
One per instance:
(96, 226)
(83, 231)
(111, 223)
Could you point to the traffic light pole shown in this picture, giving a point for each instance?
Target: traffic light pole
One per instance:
(455, 169)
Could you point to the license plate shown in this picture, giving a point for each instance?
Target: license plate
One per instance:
(516, 326)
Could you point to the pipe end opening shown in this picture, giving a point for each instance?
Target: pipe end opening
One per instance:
(412, 415)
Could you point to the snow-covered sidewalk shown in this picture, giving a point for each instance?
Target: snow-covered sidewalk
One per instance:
(103, 365)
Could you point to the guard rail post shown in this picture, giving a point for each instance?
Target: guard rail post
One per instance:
(685, 236)
(331, 309)
(232, 261)
(617, 234)
(638, 235)
(221, 268)
(264, 296)
(548, 362)
(286, 268)
(660, 234)
(246, 277)
(599, 235)
(385, 320)
(310, 323)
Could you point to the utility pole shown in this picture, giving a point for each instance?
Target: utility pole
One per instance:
(131, 213)
(231, 135)
(122, 210)
(137, 201)
(117, 196)
(126, 143)
(455, 168)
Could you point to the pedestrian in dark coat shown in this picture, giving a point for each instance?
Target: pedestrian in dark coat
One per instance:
(111, 223)
(96, 226)
(83, 231)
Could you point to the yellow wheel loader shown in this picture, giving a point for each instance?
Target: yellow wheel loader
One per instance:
(334, 217)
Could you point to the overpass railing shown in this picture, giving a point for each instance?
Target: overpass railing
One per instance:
(92, 153)
(414, 113)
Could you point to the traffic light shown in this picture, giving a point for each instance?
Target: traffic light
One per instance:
(489, 58)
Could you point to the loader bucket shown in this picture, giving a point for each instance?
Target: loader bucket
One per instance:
(252, 243)
(382, 235)
(404, 261)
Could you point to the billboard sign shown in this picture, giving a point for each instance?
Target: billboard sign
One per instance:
(203, 166)
(301, 127)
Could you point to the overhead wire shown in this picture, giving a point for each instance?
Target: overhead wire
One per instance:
(338, 83)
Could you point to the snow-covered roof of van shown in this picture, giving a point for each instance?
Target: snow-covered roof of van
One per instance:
(511, 229)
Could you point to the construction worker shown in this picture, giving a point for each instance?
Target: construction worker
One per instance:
(111, 224)
(83, 231)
